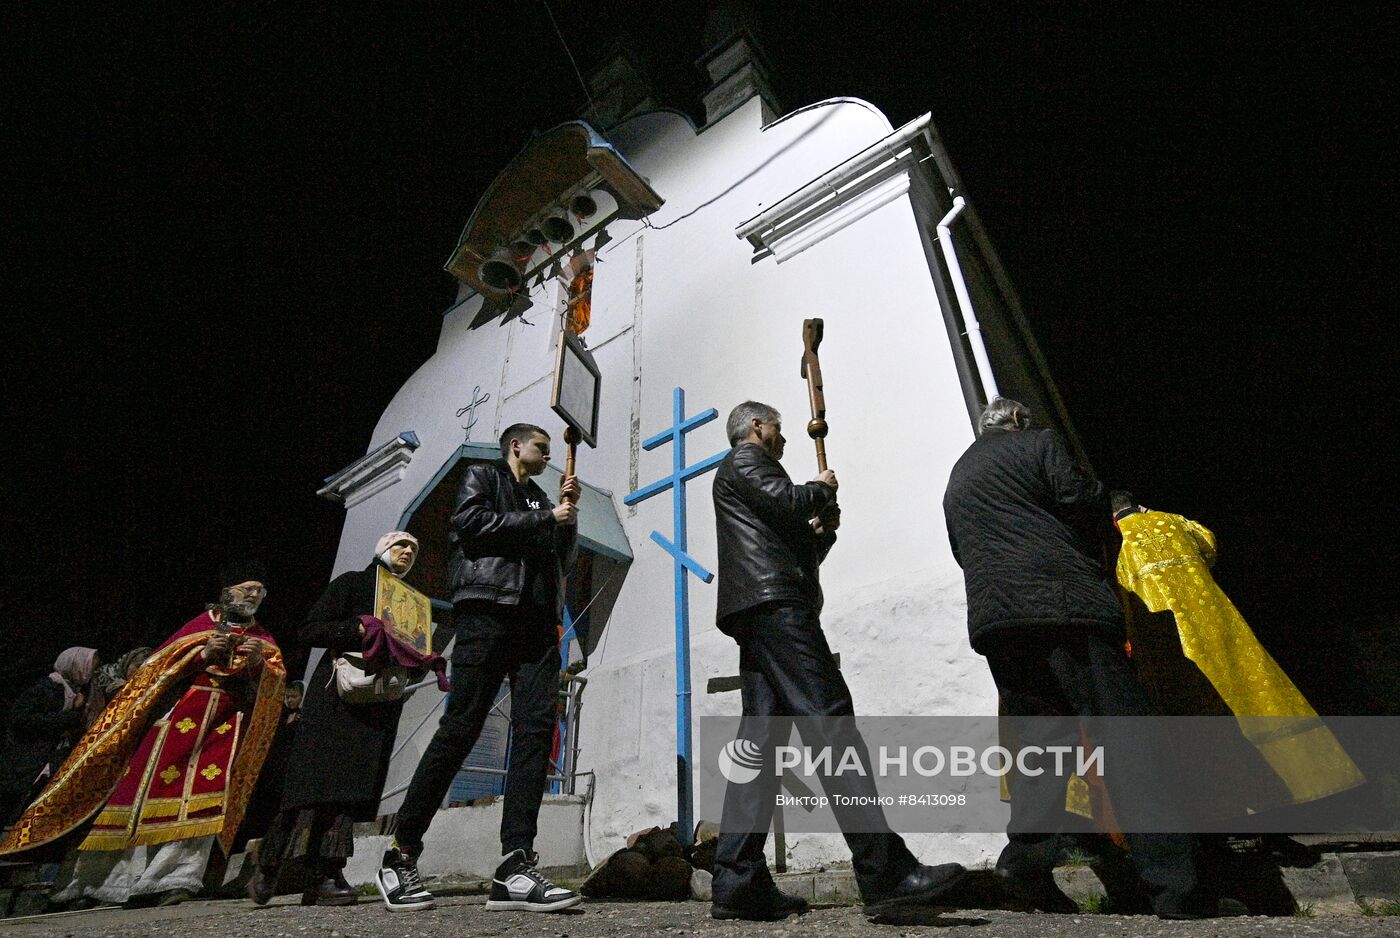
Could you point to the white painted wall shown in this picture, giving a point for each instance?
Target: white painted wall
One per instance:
(681, 303)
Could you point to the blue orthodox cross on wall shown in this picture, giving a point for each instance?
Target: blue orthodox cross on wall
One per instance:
(676, 547)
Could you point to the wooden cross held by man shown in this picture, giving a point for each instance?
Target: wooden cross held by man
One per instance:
(812, 371)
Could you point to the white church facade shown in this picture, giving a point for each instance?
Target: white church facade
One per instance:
(689, 258)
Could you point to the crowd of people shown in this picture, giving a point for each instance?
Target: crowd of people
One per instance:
(1029, 526)
(148, 765)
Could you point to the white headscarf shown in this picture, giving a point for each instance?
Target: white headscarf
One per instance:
(381, 549)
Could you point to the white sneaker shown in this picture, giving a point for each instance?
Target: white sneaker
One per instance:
(399, 884)
(519, 887)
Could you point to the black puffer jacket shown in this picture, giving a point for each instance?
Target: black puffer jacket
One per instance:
(1022, 518)
(767, 550)
(499, 536)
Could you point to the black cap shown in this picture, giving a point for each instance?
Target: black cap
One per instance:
(242, 571)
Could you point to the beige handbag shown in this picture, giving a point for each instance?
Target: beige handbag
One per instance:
(356, 686)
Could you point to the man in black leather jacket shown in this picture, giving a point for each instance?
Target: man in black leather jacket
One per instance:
(514, 550)
(772, 535)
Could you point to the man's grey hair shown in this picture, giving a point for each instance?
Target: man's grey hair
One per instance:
(738, 424)
(1004, 414)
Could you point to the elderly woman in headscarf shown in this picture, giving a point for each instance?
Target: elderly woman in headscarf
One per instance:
(44, 723)
(338, 762)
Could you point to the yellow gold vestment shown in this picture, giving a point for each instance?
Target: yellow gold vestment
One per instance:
(1165, 560)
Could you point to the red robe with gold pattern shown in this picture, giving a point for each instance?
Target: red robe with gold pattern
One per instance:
(151, 777)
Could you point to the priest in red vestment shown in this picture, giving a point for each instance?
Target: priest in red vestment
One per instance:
(157, 786)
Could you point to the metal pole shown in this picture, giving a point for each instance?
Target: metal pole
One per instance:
(576, 686)
(564, 640)
(779, 841)
(685, 824)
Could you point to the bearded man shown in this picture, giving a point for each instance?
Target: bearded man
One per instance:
(157, 785)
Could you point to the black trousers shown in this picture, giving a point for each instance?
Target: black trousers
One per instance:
(492, 644)
(1068, 676)
(786, 669)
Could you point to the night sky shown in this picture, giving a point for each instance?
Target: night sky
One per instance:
(227, 227)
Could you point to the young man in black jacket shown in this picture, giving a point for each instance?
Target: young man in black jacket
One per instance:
(514, 549)
(772, 536)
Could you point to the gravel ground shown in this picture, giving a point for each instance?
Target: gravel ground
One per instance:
(460, 916)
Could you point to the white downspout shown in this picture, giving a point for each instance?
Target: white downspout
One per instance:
(974, 329)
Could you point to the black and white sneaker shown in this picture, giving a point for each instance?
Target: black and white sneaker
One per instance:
(399, 883)
(519, 887)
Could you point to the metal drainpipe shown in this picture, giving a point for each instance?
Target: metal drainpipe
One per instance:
(885, 149)
(974, 329)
